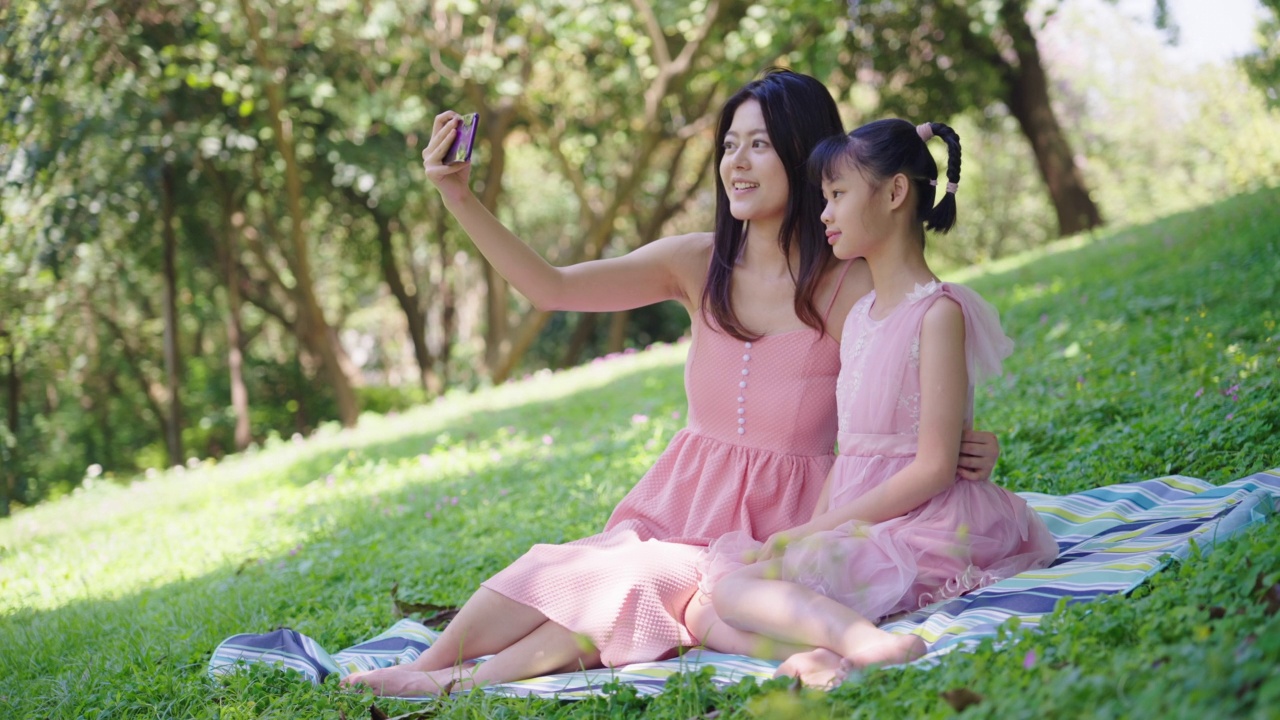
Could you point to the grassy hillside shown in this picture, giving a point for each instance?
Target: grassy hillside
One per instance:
(1150, 352)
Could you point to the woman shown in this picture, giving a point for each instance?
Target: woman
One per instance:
(767, 300)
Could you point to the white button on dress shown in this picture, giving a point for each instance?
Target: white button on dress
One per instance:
(742, 384)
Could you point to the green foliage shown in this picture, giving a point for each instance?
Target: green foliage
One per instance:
(97, 110)
(1153, 136)
(112, 599)
(1153, 353)
(601, 142)
(1157, 136)
(1263, 65)
(999, 208)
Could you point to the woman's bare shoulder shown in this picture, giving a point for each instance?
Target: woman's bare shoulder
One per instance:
(688, 256)
(694, 246)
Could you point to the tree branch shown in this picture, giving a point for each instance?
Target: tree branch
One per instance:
(657, 39)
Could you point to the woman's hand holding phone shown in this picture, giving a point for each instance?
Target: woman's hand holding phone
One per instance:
(452, 180)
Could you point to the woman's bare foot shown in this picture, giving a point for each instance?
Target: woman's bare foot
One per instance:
(401, 681)
(818, 668)
(890, 649)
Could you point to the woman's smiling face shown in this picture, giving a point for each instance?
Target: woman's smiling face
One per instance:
(752, 173)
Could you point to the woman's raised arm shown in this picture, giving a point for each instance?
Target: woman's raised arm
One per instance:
(666, 269)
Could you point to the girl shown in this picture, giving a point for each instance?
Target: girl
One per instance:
(897, 527)
(767, 301)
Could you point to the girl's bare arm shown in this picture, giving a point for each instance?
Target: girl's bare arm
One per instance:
(943, 397)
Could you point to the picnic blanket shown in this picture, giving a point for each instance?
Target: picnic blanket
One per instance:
(1110, 539)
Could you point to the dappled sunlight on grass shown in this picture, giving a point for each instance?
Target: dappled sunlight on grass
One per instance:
(111, 540)
(1120, 335)
(1151, 351)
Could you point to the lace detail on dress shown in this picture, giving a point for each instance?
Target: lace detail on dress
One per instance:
(852, 360)
(911, 405)
(971, 579)
(967, 536)
(923, 291)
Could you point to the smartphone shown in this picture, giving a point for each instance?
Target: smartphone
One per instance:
(464, 141)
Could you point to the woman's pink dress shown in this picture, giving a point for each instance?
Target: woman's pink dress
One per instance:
(752, 459)
(970, 535)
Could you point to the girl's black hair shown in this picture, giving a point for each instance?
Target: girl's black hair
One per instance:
(798, 112)
(884, 148)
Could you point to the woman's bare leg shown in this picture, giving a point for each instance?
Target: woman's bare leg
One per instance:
(488, 623)
(550, 648)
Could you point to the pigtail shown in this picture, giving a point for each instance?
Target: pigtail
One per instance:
(943, 215)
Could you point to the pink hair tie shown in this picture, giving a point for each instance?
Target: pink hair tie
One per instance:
(925, 131)
(951, 187)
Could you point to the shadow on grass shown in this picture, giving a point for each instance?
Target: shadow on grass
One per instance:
(1191, 242)
(436, 536)
(1122, 405)
(506, 418)
(1148, 352)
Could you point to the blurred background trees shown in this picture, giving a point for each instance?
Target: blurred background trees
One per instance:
(214, 229)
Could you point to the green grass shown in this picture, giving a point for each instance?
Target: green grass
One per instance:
(1149, 352)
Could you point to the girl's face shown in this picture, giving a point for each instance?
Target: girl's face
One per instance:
(752, 173)
(853, 217)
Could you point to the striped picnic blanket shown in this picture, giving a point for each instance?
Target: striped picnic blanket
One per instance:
(1110, 540)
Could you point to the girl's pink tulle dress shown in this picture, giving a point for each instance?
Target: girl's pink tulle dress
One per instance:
(762, 428)
(968, 536)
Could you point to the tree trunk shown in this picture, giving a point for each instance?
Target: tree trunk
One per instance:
(13, 387)
(1028, 100)
(618, 331)
(172, 358)
(314, 328)
(152, 391)
(409, 302)
(448, 311)
(229, 258)
(520, 343)
(348, 366)
(497, 334)
(582, 333)
(497, 340)
(111, 385)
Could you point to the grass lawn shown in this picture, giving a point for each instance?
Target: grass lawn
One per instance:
(1146, 352)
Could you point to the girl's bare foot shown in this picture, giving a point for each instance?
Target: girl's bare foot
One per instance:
(400, 681)
(890, 649)
(818, 668)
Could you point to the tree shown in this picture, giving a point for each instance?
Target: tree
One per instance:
(623, 98)
(944, 57)
(314, 329)
(1263, 66)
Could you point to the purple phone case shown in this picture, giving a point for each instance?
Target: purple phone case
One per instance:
(460, 150)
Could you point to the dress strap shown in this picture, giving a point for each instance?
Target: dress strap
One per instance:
(836, 293)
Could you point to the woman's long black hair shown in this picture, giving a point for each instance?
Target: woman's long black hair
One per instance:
(798, 113)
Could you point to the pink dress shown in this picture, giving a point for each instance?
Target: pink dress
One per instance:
(968, 536)
(752, 459)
